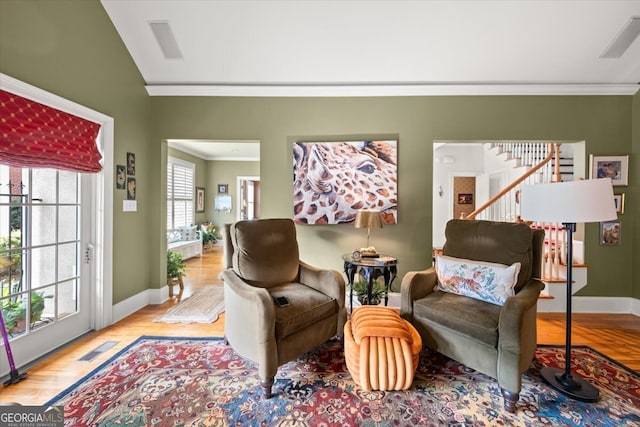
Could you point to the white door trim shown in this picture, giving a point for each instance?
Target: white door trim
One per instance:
(239, 179)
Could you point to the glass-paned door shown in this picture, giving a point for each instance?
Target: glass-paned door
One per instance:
(44, 290)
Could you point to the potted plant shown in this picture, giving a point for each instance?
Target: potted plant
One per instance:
(378, 291)
(14, 313)
(209, 238)
(175, 266)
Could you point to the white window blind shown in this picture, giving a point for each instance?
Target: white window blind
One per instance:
(180, 190)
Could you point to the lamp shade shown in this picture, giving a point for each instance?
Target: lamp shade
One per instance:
(569, 202)
(369, 218)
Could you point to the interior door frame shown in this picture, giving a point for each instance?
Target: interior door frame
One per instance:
(450, 195)
(239, 180)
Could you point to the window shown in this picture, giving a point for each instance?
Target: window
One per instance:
(40, 245)
(180, 189)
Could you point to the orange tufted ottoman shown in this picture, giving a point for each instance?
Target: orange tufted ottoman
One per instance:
(381, 349)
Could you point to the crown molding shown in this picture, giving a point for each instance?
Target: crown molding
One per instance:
(215, 158)
(391, 90)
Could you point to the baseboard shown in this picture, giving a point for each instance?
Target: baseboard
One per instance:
(394, 300)
(635, 306)
(139, 301)
(604, 305)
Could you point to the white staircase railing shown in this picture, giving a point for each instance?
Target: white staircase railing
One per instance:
(505, 205)
(529, 154)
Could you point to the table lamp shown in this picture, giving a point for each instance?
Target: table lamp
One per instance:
(569, 203)
(368, 218)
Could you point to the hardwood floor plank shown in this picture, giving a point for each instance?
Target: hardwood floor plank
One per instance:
(617, 336)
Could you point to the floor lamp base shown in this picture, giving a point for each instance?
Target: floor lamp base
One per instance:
(574, 386)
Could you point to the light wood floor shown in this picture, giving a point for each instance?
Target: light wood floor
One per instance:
(617, 336)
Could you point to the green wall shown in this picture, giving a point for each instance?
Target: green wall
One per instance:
(71, 49)
(604, 122)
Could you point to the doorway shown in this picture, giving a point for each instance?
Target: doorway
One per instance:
(248, 197)
(492, 169)
(228, 172)
(464, 192)
(57, 233)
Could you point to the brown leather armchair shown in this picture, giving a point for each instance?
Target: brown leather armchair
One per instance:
(263, 264)
(499, 341)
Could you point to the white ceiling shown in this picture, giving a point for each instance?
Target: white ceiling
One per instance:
(219, 150)
(333, 48)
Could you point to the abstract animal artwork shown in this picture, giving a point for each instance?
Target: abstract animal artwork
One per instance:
(332, 180)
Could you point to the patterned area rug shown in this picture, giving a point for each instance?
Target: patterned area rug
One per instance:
(202, 307)
(159, 381)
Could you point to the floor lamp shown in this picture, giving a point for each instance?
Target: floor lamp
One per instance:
(569, 203)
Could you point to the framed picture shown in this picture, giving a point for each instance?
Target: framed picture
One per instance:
(222, 204)
(619, 201)
(131, 188)
(465, 198)
(332, 180)
(121, 177)
(614, 167)
(199, 199)
(223, 188)
(131, 164)
(610, 233)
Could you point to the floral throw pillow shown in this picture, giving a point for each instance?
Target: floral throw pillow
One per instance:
(486, 281)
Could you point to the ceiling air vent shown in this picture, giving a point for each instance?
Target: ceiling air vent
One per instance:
(165, 38)
(623, 40)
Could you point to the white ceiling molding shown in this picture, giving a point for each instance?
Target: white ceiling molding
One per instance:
(390, 90)
(237, 150)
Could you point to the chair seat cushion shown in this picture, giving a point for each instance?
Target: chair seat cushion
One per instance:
(467, 316)
(307, 306)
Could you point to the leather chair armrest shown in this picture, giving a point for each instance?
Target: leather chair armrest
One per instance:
(329, 282)
(415, 285)
(512, 314)
(247, 300)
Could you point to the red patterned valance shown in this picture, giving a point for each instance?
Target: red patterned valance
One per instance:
(34, 135)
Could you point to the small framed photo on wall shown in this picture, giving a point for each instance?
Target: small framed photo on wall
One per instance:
(610, 233)
(131, 188)
(121, 177)
(614, 167)
(465, 198)
(199, 199)
(223, 188)
(131, 164)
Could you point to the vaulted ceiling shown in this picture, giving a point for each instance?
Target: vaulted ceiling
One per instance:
(334, 48)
